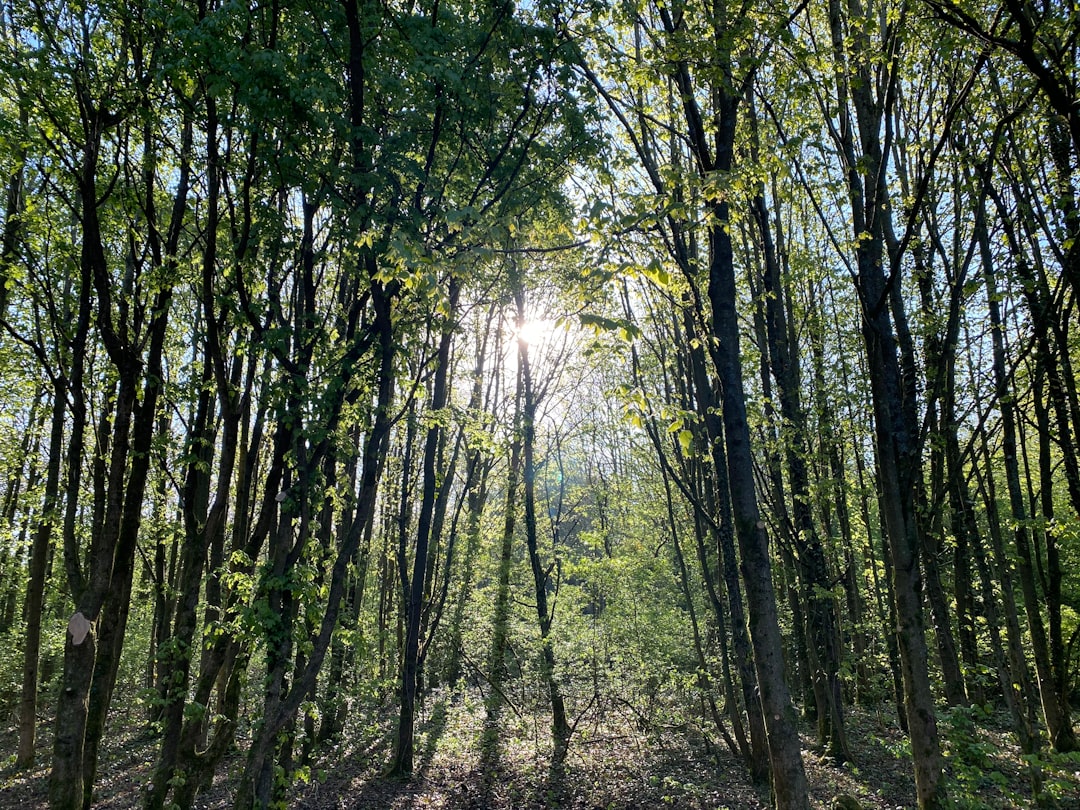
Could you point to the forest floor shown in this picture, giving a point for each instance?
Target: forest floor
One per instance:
(613, 764)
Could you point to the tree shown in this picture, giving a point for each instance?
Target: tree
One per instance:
(271, 291)
(675, 33)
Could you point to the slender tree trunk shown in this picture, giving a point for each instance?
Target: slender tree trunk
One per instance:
(804, 659)
(1020, 674)
(256, 782)
(897, 498)
(35, 587)
(96, 630)
(332, 703)
(885, 604)
(164, 546)
(204, 526)
(716, 153)
(1052, 589)
(724, 536)
(478, 468)
(403, 753)
(823, 631)
(897, 438)
(541, 577)
(700, 480)
(834, 494)
(70, 711)
(704, 679)
(928, 514)
(1054, 712)
(1016, 675)
(788, 777)
(500, 631)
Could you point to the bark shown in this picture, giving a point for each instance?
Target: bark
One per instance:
(26, 463)
(541, 577)
(930, 541)
(112, 621)
(1054, 708)
(496, 664)
(823, 633)
(298, 501)
(885, 605)
(201, 744)
(1065, 739)
(896, 424)
(35, 587)
(788, 776)
(415, 590)
(966, 536)
(478, 467)
(752, 750)
(96, 631)
(741, 746)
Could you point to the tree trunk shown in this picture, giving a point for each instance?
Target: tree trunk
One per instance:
(1053, 705)
(897, 497)
(256, 782)
(823, 632)
(1015, 675)
(541, 578)
(403, 754)
(708, 408)
(896, 423)
(35, 587)
(788, 777)
(496, 664)
(478, 468)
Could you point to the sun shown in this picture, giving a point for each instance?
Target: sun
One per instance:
(534, 332)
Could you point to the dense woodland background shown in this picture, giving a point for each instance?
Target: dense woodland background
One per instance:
(699, 369)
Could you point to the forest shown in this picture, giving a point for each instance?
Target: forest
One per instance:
(585, 404)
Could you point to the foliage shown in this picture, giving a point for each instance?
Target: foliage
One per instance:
(242, 243)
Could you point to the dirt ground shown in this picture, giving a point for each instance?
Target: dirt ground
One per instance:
(612, 764)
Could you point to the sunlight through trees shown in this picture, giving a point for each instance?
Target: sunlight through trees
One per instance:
(582, 378)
